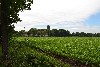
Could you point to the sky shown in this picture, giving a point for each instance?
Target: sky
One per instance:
(72, 15)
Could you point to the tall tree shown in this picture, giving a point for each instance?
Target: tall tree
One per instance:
(55, 32)
(22, 32)
(33, 31)
(62, 32)
(68, 33)
(9, 10)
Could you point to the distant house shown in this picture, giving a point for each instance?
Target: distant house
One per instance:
(43, 32)
(25, 34)
(36, 32)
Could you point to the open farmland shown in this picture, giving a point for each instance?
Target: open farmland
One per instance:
(21, 54)
(82, 49)
(86, 50)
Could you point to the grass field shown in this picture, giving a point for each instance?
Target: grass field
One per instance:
(33, 51)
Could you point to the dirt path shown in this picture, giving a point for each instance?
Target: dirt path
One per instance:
(71, 62)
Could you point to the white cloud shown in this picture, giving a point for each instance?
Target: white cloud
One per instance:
(56, 12)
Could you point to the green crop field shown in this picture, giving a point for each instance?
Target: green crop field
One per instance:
(30, 51)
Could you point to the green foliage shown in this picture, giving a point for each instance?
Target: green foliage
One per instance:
(32, 32)
(10, 10)
(13, 8)
(86, 50)
(22, 55)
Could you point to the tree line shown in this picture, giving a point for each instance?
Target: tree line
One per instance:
(33, 32)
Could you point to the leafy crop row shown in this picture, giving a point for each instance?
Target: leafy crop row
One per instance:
(86, 50)
(22, 55)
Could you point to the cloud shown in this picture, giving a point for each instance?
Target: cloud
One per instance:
(56, 12)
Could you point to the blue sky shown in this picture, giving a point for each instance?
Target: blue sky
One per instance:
(72, 15)
(94, 20)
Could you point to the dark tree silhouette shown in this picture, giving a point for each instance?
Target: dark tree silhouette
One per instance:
(62, 33)
(54, 33)
(32, 31)
(9, 10)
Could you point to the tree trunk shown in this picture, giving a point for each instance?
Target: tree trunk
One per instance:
(0, 22)
(4, 42)
(4, 34)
